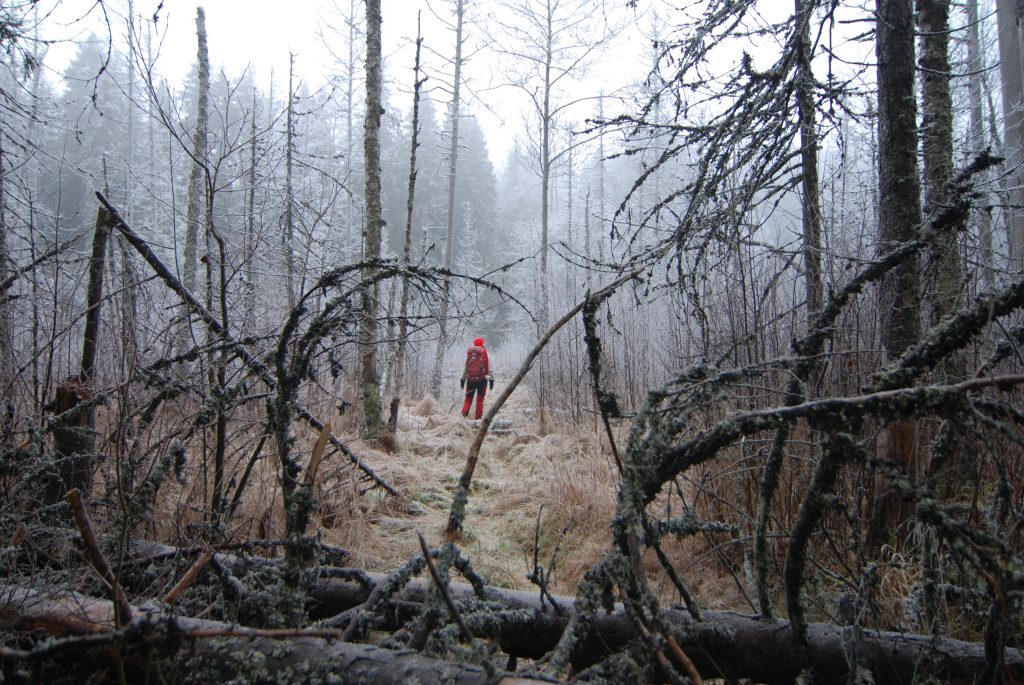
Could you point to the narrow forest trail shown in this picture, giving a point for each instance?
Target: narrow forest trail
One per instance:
(566, 478)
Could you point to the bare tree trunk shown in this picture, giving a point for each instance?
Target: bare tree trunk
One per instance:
(249, 251)
(219, 359)
(350, 214)
(219, 652)
(196, 194)
(129, 304)
(7, 364)
(1012, 77)
(199, 138)
(288, 235)
(449, 243)
(546, 121)
(976, 67)
(374, 221)
(403, 307)
(937, 148)
(811, 207)
(899, 218)
(74, 435)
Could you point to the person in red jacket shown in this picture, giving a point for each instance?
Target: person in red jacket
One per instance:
(476, 377)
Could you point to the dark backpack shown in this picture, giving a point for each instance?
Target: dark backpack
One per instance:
(476, 367)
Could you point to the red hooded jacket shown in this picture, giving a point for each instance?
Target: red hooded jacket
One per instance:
(478, 346)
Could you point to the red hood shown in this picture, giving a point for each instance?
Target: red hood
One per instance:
(479, 342)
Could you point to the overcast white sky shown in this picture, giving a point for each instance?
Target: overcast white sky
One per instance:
(260, 34)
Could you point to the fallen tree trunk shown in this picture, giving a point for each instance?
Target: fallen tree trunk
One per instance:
(722, 644)
(214, 652)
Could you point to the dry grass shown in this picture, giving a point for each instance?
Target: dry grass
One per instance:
(551, 498)
(564, 479)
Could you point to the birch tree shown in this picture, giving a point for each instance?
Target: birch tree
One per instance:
(198, 152)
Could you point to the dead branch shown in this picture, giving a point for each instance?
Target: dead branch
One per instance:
(95, 555)
(442, 587)
(216, 328)
(189, 577)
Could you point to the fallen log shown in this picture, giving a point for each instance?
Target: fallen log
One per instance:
(214, 652)
(721, 645)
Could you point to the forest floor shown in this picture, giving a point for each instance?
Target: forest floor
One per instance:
(564, 479)
(555, 494)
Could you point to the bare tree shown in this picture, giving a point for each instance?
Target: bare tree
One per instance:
(374, 222)
(199, 149)
(976, 67)
(549, 44)
(1011, 74)
(403, 306)
(937, 148)
(453, 156)
(899, 219)
(811, 205)
(288, 221)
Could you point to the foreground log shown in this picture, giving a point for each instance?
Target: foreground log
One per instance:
(215, 652)
(722, 644)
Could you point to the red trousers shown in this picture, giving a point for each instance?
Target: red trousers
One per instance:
(480, 389)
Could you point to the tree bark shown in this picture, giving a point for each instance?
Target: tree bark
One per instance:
(7, 364)
(937, 149)
(199, 137)
(721, 644)
(899, 220)
(1011, 75)
(217, 652)
(249, 243)
(374, 222)
(811, 205)
(288, 234)
(74, 431)
(976, 67)
(449, 244)
(403, 306)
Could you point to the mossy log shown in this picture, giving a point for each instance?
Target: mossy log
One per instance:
(722, 644)
(211, 651)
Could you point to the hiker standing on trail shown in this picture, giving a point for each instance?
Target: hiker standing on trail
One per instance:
(476, 377)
